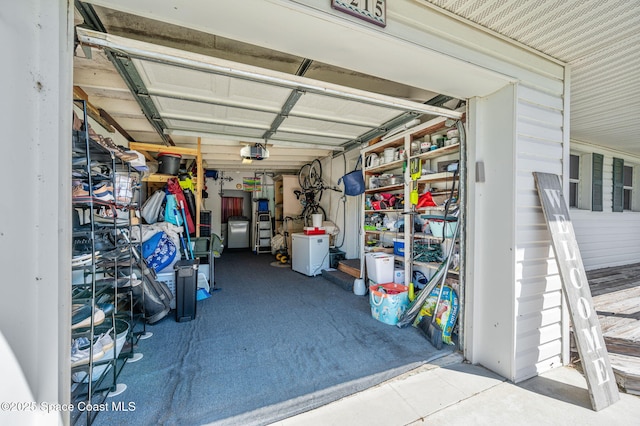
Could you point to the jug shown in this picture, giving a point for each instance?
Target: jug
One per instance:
(359, 288)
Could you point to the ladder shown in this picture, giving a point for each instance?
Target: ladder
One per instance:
(262, 233)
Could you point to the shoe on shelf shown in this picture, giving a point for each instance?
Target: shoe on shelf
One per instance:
(105, 340)
(101, 192)
(80, 313)
(81, 351)
(77, 123)
(110, 146)
(82, 317)
(110, 214)
(128, 281)
(84, 259)
(118, 151)
(107, 308)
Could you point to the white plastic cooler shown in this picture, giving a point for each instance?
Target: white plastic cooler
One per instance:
(309, 253)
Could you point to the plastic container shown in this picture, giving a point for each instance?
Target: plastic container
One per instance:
(437, 227)
(359, 289)
(169, 164)
(388, 302)
(398, 247)
(380, 267)
(316, 220)
(263, 205)
(186, 289)
(398, 276)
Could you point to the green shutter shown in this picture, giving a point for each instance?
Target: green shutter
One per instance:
(618, 184)
(596, 182)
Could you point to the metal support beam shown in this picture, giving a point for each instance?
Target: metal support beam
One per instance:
(127, 71)
(164, 55)
(136, 86)
(304, 67)
(294, 96)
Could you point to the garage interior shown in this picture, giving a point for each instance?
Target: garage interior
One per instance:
(244, 359)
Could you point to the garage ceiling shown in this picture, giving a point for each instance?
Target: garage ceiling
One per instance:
(230, 104)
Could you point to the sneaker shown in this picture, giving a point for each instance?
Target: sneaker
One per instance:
(77, 123)
(110, 214)
(118, 151)
(107, 308)
(81, 352)
(83, 317)
(102, 192)
(105, 340)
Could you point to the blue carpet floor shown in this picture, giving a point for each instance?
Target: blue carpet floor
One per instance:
(269, 344)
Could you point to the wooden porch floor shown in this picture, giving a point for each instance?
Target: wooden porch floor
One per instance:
(616, 297)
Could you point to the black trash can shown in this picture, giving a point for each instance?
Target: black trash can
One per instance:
(186, 289)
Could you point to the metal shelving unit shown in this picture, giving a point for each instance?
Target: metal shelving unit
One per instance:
(98, 281)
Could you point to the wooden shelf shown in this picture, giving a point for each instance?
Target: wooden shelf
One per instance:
(438, 152)
(423, 236)
(158, 178)
(385, 211)
(384, 167)
(145, 148)
(381, 232)
(434, 265)
(436, 208)
(385, 189)
(437, 177)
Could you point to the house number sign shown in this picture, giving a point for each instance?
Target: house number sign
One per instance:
(603, 388)
(374, 11)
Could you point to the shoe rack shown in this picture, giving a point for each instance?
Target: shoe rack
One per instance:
(106, 323)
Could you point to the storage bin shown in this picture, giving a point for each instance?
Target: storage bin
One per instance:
(124, 188)
(398, 276)
(169, 164)
(398, 247)
(438, 227)
(380, 267)
(186, 289)
(169, 278)
(388, 302)
(205, 223)
(263, 205)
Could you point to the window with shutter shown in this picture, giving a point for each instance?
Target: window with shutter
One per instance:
(574, 179)
(596, 182)
(618, 184)
(628, 187)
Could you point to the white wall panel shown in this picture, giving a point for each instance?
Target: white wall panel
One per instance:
(490, 233)
(537, 320)
(539, 148)
(607, 238)
(348, 223)
(35, 115)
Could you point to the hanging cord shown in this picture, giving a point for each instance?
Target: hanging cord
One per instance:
(344, 204)
(344, 217)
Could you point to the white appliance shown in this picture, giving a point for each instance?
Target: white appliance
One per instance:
(238, 232)
(309, 253)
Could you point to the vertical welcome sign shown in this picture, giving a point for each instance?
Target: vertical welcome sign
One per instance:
(603, 389)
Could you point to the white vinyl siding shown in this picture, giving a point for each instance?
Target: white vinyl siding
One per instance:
(607, 238)
(538, 289)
